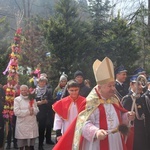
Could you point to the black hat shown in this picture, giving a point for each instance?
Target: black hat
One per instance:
(139, 71)
(121, 68)
(78, 73)
(133, 78)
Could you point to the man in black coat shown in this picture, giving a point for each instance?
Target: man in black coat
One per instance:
(146, 96)
(140, 125)
(121, 86)
(84, 90)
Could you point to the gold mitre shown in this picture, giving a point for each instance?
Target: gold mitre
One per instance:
(103, 71)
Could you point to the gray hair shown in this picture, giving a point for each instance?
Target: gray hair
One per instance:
(43, 74)
(42, 78)
(24, 86)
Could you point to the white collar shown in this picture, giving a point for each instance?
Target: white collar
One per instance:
(119, 82)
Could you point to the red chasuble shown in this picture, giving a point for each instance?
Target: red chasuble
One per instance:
(62, 106)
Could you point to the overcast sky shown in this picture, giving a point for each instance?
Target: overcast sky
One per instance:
(126, 6)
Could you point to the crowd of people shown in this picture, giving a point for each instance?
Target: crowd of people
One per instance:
(31, 121)
(113, 115)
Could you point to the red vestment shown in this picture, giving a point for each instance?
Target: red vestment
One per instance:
(67, 139)
(62, 106)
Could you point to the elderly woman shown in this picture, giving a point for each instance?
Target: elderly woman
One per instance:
(26, 124)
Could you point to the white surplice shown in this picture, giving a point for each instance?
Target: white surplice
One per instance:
(92, 125)
(62, 124)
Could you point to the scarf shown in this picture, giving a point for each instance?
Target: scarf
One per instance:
(40, 91)
(24, 97)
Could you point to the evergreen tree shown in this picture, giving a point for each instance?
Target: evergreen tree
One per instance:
(69, 40)
(120, 43)
(142, 27)
(115, 38)
(4, 50)
(99, 11)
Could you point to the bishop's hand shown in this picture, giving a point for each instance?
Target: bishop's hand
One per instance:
(101, 134)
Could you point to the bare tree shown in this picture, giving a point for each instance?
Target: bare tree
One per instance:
(19, 17)
(149, 13)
